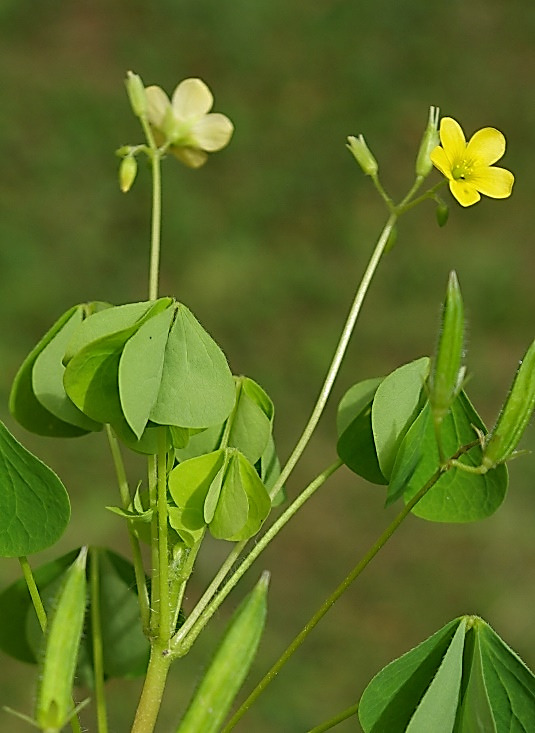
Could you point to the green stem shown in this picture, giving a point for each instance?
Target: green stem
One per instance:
(153, 689)
(76, 726)
(406, 205)
(96, 638)
(338, 354)
(139, 570)
(34, 592)
(178, 585)
(156, 224)
(344, 715)
(341, 589)
(154, 554)
(163, 550)
(201, 614)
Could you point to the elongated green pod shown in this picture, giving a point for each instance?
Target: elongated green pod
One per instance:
(515, 414)
(54, 706)
(230, 665)
(446, 376)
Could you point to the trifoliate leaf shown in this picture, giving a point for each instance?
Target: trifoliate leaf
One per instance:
(396, 404)
(34, 505)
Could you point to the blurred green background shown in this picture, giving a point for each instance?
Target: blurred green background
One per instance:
(266, 244)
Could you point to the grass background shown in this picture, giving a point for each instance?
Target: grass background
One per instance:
(266, 245)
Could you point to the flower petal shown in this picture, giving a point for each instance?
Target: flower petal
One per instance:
(191, 99)
(213, 131)
(192, 157)
(441, 161)
(157, 105)
(486, 146)
(452, 139)
(494, 182)
(465, 193)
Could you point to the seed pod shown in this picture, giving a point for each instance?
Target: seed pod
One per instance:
(54, 706)
(515, 414)
(446, 377)
(230, 664)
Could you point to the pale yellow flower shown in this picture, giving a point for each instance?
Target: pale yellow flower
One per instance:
(468, 166)
(185, 121)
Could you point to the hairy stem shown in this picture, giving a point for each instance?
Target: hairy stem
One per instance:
(153, 689)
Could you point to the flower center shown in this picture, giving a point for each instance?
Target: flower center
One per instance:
(461, 170)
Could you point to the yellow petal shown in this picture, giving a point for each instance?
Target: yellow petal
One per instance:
(213, 131)
(486, 146)
(494, 182)
(157, 105)
(465, 193)
(452, 139)
(440, 160)
(191, 99)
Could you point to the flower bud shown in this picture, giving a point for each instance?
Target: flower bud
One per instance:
(127, 173)
(442, 213)
(446, 377)
(136, 94)
(429, 142)
(515, 414)
(363, 155)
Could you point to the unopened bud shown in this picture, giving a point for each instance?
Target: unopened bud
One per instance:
(127, 173)
(515, 415)
(136, 94)
(429, 142)
(362, 154)
(442, 213)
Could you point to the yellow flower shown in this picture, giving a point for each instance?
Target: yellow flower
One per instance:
(468, 166)
(185, 121)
